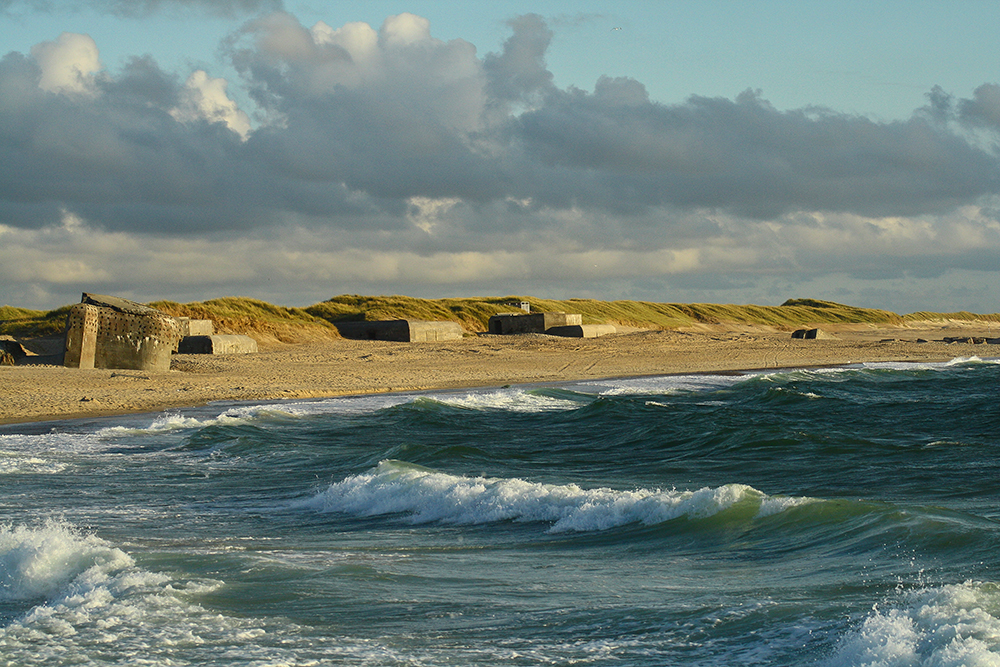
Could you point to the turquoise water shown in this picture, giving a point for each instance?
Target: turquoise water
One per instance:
(829, 517)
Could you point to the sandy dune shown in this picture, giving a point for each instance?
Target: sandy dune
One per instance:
(342, 367)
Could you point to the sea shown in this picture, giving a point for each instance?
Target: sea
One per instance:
(827, 516)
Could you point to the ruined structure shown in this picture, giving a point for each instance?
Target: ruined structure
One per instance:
(406, 331)
(583, 330)
(813, 334)
(191, 327)
(110, 332)
(516, 323)
(217, 344)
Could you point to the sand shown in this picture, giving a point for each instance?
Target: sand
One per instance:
(344, 367)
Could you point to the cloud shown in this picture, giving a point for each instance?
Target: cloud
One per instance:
(983, 110)
(68, 64)
(441, 165)
(206, 98)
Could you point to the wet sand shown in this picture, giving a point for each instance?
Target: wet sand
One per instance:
(345, 367)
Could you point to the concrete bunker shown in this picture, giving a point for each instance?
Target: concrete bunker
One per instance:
(813, 334)
(217, 344)
(111, 332)
(405, 331)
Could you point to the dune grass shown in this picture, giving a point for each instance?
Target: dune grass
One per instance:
(262, 319)
(32, 323)
(241, 315)
(474, 313)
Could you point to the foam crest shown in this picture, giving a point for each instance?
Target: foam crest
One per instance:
(945, 627)
(927, 366)
(427, 496)
(233, 415)
(100, 608)
(38, 562)
(666, 384)
(509, 400)
(14, 463)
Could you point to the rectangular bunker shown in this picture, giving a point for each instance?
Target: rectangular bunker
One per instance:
(516, 323)
(217, 344)
(404, 331)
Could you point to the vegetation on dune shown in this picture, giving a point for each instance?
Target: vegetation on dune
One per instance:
(474, 313)
(240, 315)
(32, 323)
(963, 316)
(267, 321)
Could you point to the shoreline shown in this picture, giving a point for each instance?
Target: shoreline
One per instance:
(327, 369)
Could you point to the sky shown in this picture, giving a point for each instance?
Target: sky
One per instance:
(716, 151)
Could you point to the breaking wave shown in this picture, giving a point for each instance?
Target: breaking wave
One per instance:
(948, 626)
(426, 496)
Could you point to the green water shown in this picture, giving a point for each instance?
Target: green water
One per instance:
(835, 517)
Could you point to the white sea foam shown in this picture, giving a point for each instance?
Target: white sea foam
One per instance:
(509, 400)
(86, 602)
(927, 366)
(37, 562)
(665, 384)
(428, 496)
(946, 626)
(13, 463)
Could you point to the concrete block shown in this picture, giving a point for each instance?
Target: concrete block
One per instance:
(813, 334)
(217, 344)
(391, 330)
(189, 327)
(422, 332)
(583, 330)
(515, 323)
(403, 331)
(81, 336)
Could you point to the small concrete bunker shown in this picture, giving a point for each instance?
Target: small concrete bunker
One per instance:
(813, 334)
(110, 332)
(217, 344)
(518, 323)
(404, 331)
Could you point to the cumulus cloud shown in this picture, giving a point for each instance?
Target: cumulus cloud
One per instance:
(441, 166)
(205, 98)
(68, 64)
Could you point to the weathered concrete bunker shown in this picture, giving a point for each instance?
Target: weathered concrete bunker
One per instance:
(583, 330)
(217, 344)
(405, 331)
(569, 325)
(516, 323)
(110, 332)
(813, 334)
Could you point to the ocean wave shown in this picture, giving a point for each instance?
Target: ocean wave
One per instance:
(509, 400)
(37, 562)
(945, 626)
(662, 385)
(425, 496)
(236, 415)
(15, 463)
(73, 598)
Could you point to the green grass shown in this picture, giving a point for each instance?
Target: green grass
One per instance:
(255, 317)
(240, 315)
(961, 315)
(32, 323)
(474, 313)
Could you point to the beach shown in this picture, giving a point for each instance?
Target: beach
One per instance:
(320, 368)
